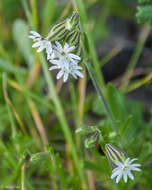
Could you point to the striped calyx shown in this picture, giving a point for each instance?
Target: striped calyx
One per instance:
(58, 32)
(73, 22)
(114, 154)
(93, 139)
(73, 39)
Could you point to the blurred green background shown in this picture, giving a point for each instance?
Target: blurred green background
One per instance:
(37, 110)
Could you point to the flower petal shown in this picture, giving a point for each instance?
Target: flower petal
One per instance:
(40, 49)
(116, 173)
(79, 73)
(136, 169)
(130, 175)
(73, 56)
(135, 165)
(35, 33)
(60, 74)
(36, 44)
(125, 177)
(131, 161)
(65, 77)
(70, 49)
(118, 178)
(53, 68)
(59, 46)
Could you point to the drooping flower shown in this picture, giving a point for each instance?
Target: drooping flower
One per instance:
(121, 166)
(124, 169)
(40, 42)
(66, 68)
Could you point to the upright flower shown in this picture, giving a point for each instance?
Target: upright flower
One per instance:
(64, 53)
(40, 42)
(124, 169)
(66, 68)
(66, 61)
(121, 166)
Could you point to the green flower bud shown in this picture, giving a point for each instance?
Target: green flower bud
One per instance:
(40, 156)
(85, 130)
(92, 140)
(59, 31)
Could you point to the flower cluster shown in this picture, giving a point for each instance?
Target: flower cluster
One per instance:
(60, 56)
(62, 46)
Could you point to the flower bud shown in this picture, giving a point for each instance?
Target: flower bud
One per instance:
(92, 140)
(58, 32)
(40, 156)
(114, 155)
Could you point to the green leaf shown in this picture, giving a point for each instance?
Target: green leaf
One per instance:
(98, 107)
(20, 35)
(125, 125)
(144, 1)
(144, 13)
(117, 103)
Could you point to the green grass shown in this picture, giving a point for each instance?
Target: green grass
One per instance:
(38, 115)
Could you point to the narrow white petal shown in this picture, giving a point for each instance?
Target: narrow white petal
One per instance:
(66, 47)
(73, 61)
(36, 44)
(79, 74)
(118, 178)
(79, 68)
(114, 170)
(59, 75)
(70, 49)
(127, 161)
(59, 46)
(119, 164)
(55, 62)
(32, 37)
(136, 169)
(116, 173)
(35, 33)
(65, 77)
(53, 68)
(130, 175)
(131, 161)
(125, 177)
(135, 165)
(73, 56)
(40, 49)
(74, 75)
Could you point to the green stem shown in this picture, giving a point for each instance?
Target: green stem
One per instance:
(85, 23)
(62, 119)
(101, 96)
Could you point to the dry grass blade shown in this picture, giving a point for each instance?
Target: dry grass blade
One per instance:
(39, 124)
(12, 106)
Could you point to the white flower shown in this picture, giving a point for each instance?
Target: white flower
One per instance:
(124, 169)
(40, 42)
(66, 68)
(65, 52)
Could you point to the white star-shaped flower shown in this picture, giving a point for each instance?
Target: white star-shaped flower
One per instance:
(124, 169)
(40, 42)
(66, 68)
(65, 52)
